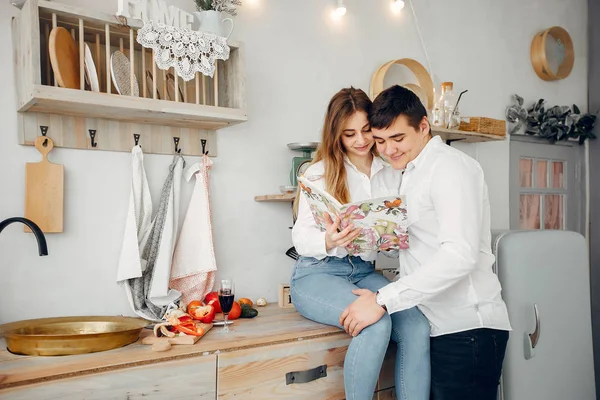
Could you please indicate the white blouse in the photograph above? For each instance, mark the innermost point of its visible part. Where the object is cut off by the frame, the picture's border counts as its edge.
(447, 269)
(308, 238)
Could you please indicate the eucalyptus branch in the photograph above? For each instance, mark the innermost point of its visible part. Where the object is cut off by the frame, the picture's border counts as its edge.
(555, 123)
(226, 6)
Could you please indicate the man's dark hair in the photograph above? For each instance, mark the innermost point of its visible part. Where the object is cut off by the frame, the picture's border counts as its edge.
(393, 102)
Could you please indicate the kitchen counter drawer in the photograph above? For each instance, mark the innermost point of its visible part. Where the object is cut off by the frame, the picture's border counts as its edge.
(182, 379)
(261, 373)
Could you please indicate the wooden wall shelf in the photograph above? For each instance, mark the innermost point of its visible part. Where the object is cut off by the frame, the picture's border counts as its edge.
(451, 135)
(448, 135)
(192, 110)
(281, 198)
(72, 102)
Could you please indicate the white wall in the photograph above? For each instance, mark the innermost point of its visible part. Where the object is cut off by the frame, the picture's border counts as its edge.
(295, 60)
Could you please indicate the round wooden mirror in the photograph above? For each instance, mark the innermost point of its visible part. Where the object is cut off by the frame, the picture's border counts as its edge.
(552, 54)
(424, 89)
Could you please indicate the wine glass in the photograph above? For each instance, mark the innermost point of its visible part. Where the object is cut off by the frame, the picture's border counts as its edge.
(226, 296)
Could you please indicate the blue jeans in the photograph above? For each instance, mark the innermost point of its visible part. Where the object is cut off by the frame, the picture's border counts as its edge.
(322, 289)
(467, 365)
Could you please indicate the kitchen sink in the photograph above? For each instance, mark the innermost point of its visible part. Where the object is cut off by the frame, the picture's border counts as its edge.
(71, 335)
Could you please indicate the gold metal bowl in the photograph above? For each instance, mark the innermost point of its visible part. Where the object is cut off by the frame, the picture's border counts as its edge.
(71, 335)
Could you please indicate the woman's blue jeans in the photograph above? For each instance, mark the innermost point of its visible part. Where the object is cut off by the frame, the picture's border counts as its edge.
(322, 289)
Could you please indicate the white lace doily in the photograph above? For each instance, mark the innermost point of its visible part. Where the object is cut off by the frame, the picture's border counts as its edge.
(185, 50)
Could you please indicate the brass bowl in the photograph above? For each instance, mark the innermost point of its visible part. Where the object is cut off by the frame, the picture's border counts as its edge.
(71, 335)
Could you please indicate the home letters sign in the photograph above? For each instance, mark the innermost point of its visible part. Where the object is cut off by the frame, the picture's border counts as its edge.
(157, 11)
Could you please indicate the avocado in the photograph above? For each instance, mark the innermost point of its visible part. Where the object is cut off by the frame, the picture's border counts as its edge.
(248, 312)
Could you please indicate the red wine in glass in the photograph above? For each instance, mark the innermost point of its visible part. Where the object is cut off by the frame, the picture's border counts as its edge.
(226, 298)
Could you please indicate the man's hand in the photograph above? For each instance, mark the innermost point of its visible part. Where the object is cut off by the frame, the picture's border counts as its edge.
(333, 238)
(362, 313)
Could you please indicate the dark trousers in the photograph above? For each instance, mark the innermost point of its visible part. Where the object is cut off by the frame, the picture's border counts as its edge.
(467, 365)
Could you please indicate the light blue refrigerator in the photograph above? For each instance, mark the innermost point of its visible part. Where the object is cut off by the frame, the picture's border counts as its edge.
(546, 287)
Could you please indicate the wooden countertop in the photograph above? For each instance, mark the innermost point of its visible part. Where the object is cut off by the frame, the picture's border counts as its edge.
(272, 325)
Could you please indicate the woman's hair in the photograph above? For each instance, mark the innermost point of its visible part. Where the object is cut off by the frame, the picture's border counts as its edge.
(331, 151)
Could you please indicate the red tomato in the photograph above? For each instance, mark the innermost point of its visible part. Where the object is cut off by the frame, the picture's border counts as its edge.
(204, 314)
(235, 312)
(213, 299)
(193, 305)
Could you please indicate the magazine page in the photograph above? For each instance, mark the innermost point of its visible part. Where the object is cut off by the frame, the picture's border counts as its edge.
(384, 223)
(319, 201)
(383, 220)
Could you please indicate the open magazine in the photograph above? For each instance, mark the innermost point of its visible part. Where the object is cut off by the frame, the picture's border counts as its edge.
(383, 220)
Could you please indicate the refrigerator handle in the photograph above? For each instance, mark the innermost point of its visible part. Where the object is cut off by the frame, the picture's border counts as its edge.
(535, 336)
(531, 339)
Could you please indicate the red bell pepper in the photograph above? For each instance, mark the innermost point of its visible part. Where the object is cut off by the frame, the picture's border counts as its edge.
(204, 314)
(188, 330)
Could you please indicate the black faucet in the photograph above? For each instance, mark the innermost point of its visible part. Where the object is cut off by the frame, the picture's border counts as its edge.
(39, 235)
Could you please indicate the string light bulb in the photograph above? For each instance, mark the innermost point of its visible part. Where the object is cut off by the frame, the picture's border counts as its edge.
(397, 6)
(340, 10)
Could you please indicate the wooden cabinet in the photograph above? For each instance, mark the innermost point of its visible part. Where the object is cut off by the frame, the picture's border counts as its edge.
(185, 379)
(267, 358)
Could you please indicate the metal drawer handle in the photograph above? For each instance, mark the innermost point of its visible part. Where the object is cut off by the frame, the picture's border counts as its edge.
(306, 376)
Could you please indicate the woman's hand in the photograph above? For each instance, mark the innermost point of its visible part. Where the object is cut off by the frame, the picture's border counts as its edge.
(333, 238)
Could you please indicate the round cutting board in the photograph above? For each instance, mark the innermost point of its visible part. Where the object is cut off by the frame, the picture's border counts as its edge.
(64, 57)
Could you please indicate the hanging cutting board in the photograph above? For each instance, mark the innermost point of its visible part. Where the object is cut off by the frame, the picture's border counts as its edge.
(64, 57)
(44, 190)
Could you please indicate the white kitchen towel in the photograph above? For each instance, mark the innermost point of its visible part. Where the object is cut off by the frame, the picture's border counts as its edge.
(137, 225)
(150, 292)
(194, 264)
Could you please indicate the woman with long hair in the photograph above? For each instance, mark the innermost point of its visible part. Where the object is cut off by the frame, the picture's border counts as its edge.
(327, 279)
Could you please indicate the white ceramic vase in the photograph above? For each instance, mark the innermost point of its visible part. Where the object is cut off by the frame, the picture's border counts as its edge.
(211, 22)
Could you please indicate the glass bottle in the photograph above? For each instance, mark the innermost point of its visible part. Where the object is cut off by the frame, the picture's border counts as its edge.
(448, 100)
(437, 114)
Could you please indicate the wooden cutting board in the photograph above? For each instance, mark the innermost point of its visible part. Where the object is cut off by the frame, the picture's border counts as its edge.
(163, 343)
(44, 190)
(64, 57)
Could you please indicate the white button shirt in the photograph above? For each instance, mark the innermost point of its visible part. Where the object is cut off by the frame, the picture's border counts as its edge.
(447, 269)
(308, 238)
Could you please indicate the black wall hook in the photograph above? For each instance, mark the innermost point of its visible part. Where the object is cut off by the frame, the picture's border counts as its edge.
(44, 130)
(203, 141)
(136, 138)
(176, 141)
(93, 137)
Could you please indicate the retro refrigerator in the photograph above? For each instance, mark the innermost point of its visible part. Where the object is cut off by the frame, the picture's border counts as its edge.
(546, 287)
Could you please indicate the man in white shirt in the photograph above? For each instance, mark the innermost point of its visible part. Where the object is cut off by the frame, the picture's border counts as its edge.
(447, 270)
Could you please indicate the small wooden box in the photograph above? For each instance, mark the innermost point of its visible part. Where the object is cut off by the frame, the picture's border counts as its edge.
(285, 299)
